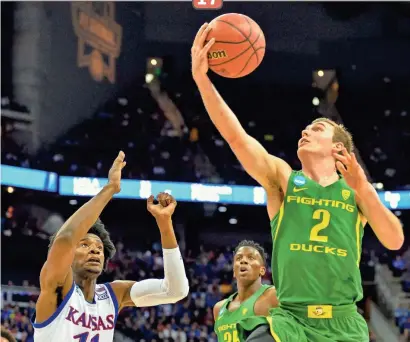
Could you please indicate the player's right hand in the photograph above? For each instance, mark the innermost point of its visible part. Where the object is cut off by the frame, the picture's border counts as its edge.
(199, 52)
(165, 207)
(114, 175)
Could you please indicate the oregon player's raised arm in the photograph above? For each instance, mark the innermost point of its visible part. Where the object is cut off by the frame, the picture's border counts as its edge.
(252, 155)
(57, 269)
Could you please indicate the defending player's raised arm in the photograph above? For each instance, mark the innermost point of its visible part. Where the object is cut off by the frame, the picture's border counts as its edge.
(258, 163)
(57, 268)
(174, 286)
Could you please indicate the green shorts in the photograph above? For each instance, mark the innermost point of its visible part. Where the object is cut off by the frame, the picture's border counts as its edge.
(314, 323)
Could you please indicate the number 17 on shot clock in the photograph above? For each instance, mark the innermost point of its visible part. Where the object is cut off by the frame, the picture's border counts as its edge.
(207, 4)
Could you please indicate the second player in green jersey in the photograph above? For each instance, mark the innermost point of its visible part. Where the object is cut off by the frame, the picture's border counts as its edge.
(238, 317)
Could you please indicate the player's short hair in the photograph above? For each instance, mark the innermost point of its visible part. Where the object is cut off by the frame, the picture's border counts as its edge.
(7, 335)
(341, 134)
(98, 228)
(255, 245)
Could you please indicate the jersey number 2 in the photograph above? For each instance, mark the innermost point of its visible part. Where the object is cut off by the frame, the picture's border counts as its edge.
(324, 216)
(84, 337)
(231, 336)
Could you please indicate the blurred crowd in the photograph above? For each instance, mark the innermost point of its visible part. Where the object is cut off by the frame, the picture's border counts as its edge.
(167, 135)
(155, 148)
(394, 289)
(210, 277)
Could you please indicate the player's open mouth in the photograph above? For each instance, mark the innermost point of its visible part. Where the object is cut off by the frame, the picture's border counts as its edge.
(93, 261)
(243, 269)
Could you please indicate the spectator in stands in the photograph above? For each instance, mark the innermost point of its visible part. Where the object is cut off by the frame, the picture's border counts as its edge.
(6, 335)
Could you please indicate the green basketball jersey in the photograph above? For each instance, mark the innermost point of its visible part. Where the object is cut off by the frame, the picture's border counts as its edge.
(226, 323)
(317, 237)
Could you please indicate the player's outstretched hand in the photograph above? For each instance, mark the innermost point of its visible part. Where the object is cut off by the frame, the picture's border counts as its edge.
(351, 170)
(114, 175)
(165, 207)
(199, 52)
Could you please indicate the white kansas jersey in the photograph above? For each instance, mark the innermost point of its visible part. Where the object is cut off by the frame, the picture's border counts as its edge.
(77, 320)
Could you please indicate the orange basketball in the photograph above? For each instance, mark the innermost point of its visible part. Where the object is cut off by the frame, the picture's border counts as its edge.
(239, 45)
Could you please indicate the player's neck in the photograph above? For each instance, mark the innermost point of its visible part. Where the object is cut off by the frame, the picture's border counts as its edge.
(244, 292)
(87, 286)
(321, 170)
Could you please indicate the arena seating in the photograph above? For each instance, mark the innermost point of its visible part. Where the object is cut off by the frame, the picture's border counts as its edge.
(137, 125)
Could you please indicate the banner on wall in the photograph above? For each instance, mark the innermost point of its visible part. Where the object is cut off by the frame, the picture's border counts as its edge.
(99, 38)
(142, 189)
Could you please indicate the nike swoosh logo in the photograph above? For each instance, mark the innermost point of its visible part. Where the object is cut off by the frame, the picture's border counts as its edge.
(295, 189)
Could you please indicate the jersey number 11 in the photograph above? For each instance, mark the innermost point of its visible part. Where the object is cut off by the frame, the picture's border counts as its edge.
(84, 337)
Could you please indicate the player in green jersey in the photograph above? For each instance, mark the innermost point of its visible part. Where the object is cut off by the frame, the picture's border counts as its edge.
(317, 218)
(242, 316)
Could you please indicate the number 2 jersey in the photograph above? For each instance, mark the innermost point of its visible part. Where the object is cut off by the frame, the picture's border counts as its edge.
(317, 237)
(78, 320)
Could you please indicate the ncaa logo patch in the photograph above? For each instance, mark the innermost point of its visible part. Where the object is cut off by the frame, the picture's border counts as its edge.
(101, 293)
(299, 180)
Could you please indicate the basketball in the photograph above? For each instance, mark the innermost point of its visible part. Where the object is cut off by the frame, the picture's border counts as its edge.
(239, 45)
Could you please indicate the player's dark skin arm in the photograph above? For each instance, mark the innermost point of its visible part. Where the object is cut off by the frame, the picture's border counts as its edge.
(163, 218)
(217, 308)
(56, 271)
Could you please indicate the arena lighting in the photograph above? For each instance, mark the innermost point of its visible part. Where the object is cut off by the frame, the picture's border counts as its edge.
(10, 189)
(315, 101)
(154, 66)
(320, 73)
(73, 202)
(379, 186)
(149, 78)
(222, 209)
(233, 221)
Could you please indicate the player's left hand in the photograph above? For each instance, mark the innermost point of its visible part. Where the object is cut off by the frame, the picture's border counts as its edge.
(165, 207)
(114, 175)
(351, 170)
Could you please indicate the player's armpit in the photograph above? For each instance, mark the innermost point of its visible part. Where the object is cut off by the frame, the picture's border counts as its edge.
(122, 290)
(52, 290)
(217, 308)
(266, 301)
(273, 299)
(258, 163)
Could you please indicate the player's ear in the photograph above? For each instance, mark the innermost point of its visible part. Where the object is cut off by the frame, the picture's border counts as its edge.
(338, 147)
(262, 271)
